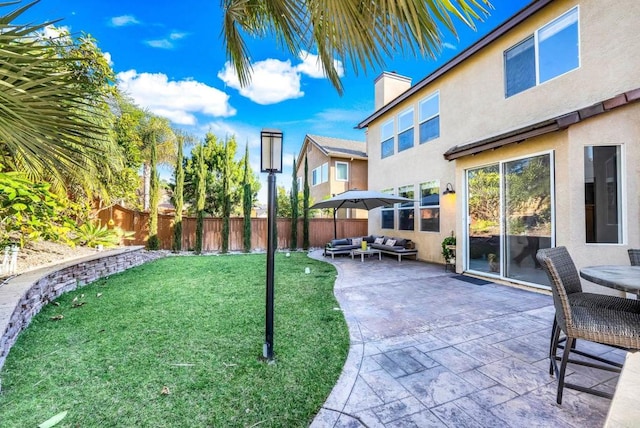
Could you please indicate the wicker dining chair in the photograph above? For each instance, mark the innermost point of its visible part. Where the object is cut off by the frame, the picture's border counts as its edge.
(634, 256)
(608, 320)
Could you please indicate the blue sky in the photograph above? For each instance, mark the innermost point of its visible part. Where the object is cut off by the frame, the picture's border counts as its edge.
(170, 59)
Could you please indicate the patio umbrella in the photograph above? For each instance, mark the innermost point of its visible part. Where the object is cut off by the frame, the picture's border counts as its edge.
(359, 199)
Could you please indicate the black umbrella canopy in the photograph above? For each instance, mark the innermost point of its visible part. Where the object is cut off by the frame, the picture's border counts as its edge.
(359, 199)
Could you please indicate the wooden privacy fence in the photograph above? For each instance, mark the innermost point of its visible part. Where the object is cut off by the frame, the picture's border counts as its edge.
(320, 230)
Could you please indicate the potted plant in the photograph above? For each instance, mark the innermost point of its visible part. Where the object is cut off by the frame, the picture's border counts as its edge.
(449, 249)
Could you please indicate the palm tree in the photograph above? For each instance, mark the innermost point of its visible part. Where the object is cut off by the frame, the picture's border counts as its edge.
(53, 120)
(156, 130)
(358, 32)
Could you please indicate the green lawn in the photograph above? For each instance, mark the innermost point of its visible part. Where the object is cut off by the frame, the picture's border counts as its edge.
(194, 325)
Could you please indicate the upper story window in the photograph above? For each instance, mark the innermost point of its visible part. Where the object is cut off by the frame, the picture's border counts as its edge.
(405, 130)
(342, 171)
(430, 206)
(320, 174)
(602, 194)
(387, 213)
(551, 51)
(386, 138)
(406, 220)
(300, 183)
(430, 118)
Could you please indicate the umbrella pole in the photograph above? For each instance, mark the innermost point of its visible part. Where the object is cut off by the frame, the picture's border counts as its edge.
(335, 226)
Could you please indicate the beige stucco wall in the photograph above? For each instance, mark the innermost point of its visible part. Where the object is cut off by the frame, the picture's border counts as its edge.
(473, 107)
(618, 127)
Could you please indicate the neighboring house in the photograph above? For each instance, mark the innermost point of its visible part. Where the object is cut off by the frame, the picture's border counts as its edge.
(335, 166)
(537, 129)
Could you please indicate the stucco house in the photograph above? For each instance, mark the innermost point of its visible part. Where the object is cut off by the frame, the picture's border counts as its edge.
(335, 166)
(536, 129)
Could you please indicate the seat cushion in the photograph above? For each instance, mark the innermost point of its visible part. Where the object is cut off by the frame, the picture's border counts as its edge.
(607, 326)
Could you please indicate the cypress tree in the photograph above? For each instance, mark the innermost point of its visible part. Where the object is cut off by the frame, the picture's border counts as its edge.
(305, 214)
(226, 198)
(178, 199)
(154, 196)
(201, 176)
(294, 209)
(247, 199)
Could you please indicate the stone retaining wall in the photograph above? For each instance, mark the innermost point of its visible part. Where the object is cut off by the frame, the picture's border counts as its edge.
(23, 296)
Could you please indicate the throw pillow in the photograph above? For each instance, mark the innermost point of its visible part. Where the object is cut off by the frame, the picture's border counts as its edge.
(356, 241)
(390, 242)
(378, 241)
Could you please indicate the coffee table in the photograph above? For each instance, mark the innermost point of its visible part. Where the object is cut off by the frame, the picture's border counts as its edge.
(369, 252)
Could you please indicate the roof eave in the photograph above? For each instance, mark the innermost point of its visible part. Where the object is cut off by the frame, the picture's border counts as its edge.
(498, 32)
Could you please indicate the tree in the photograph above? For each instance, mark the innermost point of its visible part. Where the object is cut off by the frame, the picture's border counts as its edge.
(226, 202)
(177, 195)
(214, 155)
(247, 202)
(294, 209)
(156, 129)
(343, 31)
(55, 122)
(201, 188)
(154, 242)
(283, 202)
(305, 213)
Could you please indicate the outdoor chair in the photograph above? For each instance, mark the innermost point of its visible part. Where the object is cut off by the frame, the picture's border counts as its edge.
(603, 319)
(634, 257)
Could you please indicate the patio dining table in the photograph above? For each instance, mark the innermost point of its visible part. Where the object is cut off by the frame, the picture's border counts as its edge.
(621, 277)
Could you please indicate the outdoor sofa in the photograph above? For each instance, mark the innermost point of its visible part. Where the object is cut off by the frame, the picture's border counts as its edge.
(399, 247)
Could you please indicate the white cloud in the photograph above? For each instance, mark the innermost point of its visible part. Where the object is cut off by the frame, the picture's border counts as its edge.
(177, 35)
(167, 42)
(448, 45)
(176, 100)
(121, 21)
(160, 44)
(53, 32)
(312, 67)
(272, 81)
(107, 57)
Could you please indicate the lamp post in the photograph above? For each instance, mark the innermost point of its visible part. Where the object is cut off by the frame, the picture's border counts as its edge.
(271, 162)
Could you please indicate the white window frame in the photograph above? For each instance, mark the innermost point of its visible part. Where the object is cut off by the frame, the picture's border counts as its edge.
(388, 208)
(536, 48)
(346, 164)
(424, 119)
(402, 127)
(412, 207)
(621, 192)
(431, 184)
(387, 133)
(320, 174)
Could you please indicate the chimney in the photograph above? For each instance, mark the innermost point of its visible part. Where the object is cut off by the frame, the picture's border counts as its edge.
(388, 86)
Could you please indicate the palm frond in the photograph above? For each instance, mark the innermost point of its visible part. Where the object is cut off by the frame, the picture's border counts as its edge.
(359, 33)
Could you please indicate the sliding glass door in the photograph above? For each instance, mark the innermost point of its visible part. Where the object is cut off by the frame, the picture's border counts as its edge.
(510, 212)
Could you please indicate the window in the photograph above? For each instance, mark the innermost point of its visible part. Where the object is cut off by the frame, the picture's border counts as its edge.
(320, 174)
(405, 130)
(300, 183)
(386, 137)
(342, 171)
(388, 219)
(430, 206)
(602, 196)
(552, 51)
(405, 210)
(430, 118)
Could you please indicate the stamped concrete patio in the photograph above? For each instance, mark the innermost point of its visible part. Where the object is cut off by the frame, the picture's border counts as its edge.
(431, 350)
